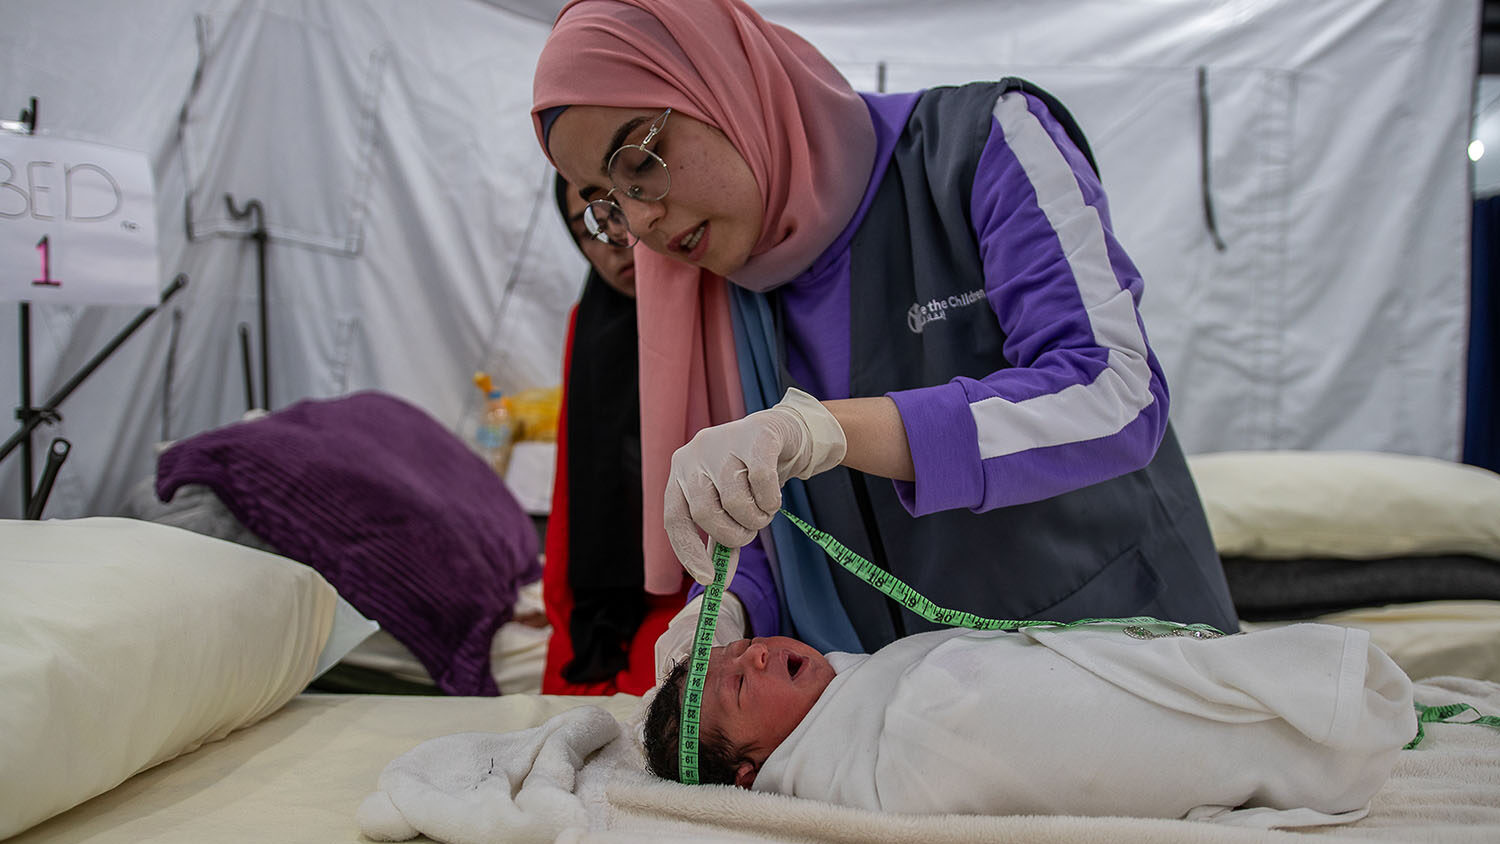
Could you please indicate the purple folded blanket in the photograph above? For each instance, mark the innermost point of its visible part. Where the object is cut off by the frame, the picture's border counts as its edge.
(410, 527)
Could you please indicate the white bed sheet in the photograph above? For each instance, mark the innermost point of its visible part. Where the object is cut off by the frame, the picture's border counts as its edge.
(297, 776)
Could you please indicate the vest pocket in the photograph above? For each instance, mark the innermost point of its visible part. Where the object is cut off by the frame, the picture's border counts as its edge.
(1127, 585)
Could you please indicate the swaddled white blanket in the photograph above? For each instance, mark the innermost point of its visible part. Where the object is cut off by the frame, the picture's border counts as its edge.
(1300, 725)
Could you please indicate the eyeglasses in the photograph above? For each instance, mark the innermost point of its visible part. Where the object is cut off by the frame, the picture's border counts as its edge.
(638, 174)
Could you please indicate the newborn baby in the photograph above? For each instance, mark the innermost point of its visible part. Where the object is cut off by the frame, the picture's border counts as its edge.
(1291, 726)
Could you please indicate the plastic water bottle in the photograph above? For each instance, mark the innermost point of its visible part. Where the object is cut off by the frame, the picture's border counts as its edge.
(496, 432)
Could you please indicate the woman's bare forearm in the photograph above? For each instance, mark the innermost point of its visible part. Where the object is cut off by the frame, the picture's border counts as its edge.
(875, 435)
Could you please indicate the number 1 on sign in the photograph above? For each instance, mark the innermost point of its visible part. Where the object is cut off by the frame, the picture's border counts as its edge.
(44, 246)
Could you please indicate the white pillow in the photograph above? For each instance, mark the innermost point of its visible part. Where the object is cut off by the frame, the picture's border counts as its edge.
(125, 643)
(1347, 504)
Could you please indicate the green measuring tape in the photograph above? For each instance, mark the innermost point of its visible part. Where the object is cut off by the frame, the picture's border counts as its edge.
(1445, 715)
(1140, 627)
(692, 691)
(898, 591)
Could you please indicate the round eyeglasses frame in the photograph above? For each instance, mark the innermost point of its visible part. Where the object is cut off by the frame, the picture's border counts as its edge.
(603, 218)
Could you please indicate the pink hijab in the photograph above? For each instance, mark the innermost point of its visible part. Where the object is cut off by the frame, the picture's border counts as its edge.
(808, 140)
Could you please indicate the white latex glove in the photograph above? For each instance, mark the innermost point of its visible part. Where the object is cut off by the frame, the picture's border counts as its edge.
(674, 645)
(727, 480)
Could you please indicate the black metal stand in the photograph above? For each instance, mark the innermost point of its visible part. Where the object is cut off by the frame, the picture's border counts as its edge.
(254, 209)
(33, 501)
(56, 454)
(245, 369)
(25, 126)
(31, 416)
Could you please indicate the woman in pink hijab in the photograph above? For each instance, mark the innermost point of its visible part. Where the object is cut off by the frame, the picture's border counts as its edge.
(920, 302)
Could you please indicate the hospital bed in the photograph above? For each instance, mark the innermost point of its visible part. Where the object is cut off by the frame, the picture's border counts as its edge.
(145, 697)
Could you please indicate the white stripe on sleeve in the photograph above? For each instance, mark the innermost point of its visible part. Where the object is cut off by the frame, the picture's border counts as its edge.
(1079, 412)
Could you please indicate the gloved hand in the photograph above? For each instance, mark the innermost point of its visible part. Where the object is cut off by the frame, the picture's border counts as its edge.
(674, 645)
(727, 480)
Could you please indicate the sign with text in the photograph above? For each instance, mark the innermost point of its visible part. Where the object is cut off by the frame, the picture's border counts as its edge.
(77, 223)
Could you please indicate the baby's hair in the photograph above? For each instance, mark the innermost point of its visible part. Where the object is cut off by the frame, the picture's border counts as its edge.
(717, 758)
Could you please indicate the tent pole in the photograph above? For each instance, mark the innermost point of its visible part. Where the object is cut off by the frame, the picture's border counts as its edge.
(25, 411)
(257, 210)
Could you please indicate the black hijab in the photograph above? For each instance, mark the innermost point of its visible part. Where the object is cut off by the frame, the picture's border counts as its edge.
(605, 565)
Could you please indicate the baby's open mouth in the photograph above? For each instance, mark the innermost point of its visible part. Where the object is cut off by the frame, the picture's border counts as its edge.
(793, 665)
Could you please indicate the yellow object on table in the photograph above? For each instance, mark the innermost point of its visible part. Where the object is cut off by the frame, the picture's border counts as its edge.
(535, 412)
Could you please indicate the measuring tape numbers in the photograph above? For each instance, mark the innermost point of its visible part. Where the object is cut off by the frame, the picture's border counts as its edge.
(692, 690)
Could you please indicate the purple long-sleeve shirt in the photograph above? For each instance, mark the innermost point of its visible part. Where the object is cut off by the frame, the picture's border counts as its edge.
(1084, 401)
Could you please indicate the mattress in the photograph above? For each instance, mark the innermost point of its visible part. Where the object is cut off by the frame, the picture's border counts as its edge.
(296, 776)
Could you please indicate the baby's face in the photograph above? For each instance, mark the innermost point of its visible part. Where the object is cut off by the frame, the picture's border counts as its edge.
(758, 690)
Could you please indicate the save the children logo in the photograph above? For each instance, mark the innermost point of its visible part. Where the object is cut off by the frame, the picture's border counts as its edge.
(921, 313)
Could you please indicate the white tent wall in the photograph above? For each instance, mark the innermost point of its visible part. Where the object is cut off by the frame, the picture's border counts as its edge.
(413, 239)
(413, 236)
(1336, 316)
